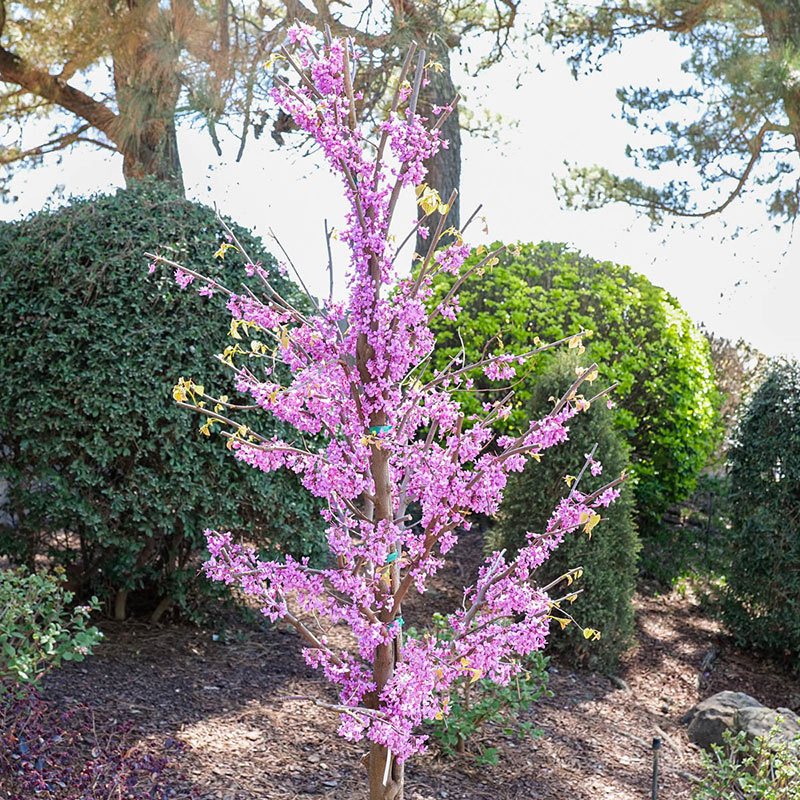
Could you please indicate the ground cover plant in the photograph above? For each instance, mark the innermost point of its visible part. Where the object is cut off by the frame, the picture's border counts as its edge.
(393, 442)
(69, 754)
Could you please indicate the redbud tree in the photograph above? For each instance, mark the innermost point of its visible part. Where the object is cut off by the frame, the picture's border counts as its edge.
(392, 436)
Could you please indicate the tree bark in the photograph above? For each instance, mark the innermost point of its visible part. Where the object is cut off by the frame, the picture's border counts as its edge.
(147, 90)
(147, 87)
(444, 169)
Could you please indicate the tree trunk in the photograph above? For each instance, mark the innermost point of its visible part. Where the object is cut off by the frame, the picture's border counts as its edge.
(120, 604)
(147, 87)
(392, 787)
(781, 20)
(444, 169)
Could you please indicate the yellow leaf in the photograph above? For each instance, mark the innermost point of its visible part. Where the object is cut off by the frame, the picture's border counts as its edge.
(223, 248)
(234, 331)
(575, 341)
(476, 674)
(588, 633)
(430, 202)
(584, 517)
(179, 391)
(593, 520)
(465, 662)
(443, 208)
(569, 479)
(536, 457)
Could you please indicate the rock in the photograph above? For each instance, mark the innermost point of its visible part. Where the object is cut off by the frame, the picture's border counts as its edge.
(758, 722)
(619, 683)
(709, 719)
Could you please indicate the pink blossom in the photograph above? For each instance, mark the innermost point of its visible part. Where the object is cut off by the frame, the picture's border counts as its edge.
(381, 430)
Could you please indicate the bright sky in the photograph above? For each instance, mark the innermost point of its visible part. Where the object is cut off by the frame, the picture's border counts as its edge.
(745, 287)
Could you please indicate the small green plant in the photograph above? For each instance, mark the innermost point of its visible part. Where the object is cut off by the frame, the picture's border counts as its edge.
(760, 769)
(38, 629)
(476, 702)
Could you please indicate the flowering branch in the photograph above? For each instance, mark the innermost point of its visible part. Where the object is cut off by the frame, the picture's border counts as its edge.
(388, 439)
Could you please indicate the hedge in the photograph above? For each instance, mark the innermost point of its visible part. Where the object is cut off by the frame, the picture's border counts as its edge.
(641, 338)
(105, 474)
(609, 556)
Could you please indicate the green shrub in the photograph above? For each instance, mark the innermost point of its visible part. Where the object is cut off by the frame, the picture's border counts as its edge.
(761, 600)
(642, 339)
(608, 558)
(477, 703)
(104, 472)
(38, 630)
(760, 769)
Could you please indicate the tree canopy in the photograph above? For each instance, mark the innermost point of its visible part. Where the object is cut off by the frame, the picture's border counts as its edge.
(120, 75)
(737, 126)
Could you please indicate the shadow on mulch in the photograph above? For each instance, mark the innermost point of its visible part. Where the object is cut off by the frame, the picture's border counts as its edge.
(220, 697)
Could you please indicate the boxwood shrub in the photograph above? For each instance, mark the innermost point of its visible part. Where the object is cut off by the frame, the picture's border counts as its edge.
(761, 599)
(104, 473)
(609, 557)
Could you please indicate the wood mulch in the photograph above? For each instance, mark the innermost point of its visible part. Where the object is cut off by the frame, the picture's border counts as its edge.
(216, 691)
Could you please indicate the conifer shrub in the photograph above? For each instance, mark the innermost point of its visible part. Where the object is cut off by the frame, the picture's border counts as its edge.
(608, 556)
(642, 339)
(761, 599)
(104, 473)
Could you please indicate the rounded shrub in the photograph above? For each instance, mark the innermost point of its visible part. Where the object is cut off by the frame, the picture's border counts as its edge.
(104, 472)
(761, 598)
(642, 339)
(608, 556)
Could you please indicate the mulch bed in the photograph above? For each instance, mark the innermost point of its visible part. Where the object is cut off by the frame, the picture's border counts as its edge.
(217, 693)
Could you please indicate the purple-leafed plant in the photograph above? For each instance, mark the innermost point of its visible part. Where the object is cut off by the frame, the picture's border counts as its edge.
(56, 754)
(394, 437)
